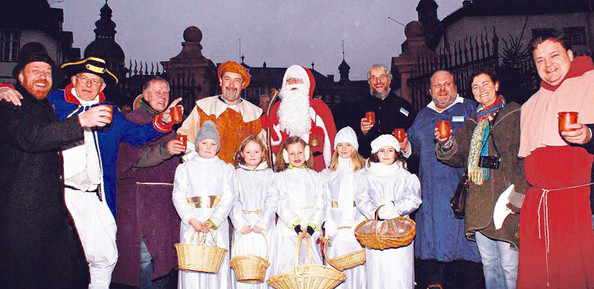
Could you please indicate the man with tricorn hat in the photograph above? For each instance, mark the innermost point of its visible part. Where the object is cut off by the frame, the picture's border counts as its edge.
(234, 117)
(39, 246)
(90, 165)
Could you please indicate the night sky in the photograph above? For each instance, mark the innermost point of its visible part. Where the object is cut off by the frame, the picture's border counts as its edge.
(279, 32)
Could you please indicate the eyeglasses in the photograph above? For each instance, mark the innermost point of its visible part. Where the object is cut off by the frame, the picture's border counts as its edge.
(93, 81)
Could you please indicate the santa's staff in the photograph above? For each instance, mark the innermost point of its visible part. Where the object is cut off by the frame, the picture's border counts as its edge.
(273, 94)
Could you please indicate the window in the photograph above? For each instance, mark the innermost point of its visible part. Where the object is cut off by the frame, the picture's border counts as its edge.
(540, 31)
(9, 40)
(575, 35)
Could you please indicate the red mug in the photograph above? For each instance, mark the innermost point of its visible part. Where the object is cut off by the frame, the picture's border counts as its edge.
(565, 118)
(399, 134)
(183, 138)
(443, 126)
(176, 114)
(370, 116)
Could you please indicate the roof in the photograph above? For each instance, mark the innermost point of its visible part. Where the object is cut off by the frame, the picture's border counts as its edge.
(516, 7)
(32, 15)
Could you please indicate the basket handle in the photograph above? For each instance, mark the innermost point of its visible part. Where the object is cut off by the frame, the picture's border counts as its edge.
(298, 250)
(202, 236)
(376, 220)
(239, 237)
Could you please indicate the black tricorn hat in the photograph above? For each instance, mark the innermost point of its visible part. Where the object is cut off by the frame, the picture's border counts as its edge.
(32, 52)
(94, 65)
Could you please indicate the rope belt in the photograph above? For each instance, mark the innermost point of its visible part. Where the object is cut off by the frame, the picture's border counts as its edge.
(543, 205)
(203, 202)
(257, 211)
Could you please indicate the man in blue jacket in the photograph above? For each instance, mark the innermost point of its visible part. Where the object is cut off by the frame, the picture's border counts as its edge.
(440, 238)
(90, 164)
(90, 167)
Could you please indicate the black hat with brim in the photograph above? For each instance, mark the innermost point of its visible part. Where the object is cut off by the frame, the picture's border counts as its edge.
(94, 65)
(33, 52)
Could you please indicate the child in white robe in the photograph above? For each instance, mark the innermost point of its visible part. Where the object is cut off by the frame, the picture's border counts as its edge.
(392, 192)
(301, 208)
(254, 214)
(203, 195)
(345, 182)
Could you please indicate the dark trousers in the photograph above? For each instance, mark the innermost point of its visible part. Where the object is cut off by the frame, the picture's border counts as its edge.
(450, 275)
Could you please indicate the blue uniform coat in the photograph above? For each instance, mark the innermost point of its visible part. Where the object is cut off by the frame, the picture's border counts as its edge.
(122, 130)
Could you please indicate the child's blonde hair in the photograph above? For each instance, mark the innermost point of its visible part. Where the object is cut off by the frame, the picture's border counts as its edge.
(280, 161)
(239, 160)
(357, 160)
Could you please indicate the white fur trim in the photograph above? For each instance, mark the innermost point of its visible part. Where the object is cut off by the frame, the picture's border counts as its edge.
(297, 71)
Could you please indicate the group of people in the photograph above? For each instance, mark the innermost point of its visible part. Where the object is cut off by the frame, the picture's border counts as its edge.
(65, 153)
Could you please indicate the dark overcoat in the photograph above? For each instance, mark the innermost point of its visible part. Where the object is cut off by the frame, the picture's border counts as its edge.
(39, 245)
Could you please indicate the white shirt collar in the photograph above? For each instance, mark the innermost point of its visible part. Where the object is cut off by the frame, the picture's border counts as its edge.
(458, 99)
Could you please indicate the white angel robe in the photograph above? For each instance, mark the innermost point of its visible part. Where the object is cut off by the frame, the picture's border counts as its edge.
(257, 203)
(342, 217)
(390, 268)
(302, 200)
(207, 179)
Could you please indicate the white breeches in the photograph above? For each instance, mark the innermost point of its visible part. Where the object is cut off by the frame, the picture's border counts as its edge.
(97, 231)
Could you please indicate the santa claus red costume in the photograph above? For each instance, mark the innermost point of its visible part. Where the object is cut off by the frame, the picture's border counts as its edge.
(299, 114)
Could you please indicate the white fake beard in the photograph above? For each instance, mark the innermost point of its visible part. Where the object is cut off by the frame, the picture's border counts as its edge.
(293, 111)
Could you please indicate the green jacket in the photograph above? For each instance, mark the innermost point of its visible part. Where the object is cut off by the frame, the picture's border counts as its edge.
(480, 201)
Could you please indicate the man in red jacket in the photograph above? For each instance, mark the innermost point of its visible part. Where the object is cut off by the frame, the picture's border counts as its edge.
(299, 114)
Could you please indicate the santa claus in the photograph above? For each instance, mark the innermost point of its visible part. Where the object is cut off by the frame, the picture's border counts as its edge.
(299, 114)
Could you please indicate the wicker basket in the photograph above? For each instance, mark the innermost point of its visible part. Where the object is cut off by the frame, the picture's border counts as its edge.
(250, 268)
(200, 257)
(386, 234)
(346, 261)
(308, 276)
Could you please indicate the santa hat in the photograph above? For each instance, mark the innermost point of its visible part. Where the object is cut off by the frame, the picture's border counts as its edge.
(384, 140)
(346, 135)
(300, 72)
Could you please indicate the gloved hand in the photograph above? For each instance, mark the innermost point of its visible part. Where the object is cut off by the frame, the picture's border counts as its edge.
(310, 230)
(388, 212)
(297, 229)
(330, 229)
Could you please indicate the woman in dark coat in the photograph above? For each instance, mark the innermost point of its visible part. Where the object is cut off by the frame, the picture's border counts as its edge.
(493, 133)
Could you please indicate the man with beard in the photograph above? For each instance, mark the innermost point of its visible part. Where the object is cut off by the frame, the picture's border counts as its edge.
(90, 164)
(234, 117)
(298, 114)
(39, 246)
(440, 238)
(391, 111)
